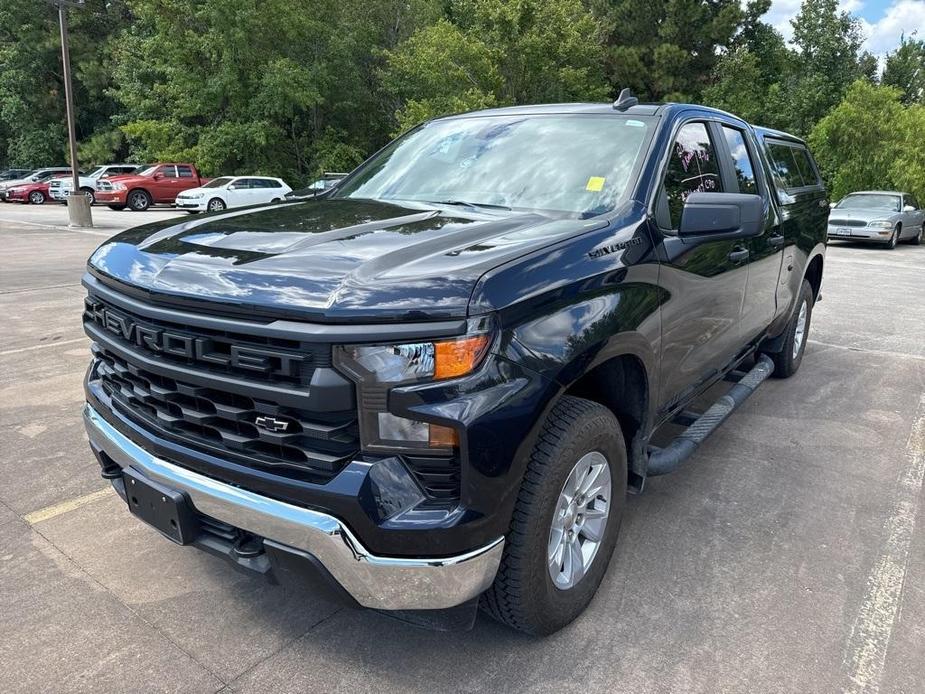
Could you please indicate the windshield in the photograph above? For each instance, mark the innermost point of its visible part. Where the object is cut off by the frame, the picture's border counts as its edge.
(219, 182)
(876, 201)
(578, 164)
(147, 172)
(97, 172)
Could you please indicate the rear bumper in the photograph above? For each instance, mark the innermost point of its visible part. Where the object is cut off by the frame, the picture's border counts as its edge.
(386, 583)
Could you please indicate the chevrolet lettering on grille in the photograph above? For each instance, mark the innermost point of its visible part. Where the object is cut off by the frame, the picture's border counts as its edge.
(192, 348)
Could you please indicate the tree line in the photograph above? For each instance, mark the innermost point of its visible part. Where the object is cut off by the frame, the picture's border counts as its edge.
(293, 89)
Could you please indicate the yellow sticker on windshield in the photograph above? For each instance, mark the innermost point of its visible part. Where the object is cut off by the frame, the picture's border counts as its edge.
(595, 184)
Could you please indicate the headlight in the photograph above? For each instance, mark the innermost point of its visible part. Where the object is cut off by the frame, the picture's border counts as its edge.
(194, 196)
(118, 186)
(377, 368)
(880, 224)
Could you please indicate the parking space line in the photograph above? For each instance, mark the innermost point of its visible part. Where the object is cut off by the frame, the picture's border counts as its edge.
(42, 346)
(49, 512)
(870, 636)
(59, 227)
(864, 350)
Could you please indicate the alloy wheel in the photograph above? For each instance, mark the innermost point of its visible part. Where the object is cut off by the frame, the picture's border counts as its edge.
(579, 520)
(799, 333)
(36, 197)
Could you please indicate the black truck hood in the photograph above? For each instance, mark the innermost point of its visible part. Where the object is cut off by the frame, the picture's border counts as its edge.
(330, 260)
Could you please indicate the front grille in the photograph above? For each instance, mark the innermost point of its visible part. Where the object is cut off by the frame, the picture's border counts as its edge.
(251, 357)
(313, 446)
(847, 222)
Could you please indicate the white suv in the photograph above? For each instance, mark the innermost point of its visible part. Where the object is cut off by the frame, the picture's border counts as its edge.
(60, 188)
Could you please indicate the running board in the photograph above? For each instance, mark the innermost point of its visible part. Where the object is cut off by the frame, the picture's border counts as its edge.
(667, 459)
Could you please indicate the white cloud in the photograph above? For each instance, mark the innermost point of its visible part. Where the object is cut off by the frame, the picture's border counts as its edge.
(782, 11)
(902, 17)
(880, 37)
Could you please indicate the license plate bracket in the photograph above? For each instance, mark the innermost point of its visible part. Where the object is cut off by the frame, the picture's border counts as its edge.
(843, 231)
(167, 510)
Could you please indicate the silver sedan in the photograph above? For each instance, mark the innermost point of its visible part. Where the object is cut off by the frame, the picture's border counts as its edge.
(878, 216)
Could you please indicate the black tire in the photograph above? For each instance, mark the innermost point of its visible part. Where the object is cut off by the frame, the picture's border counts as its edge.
(216, 205)
(894, 239)
(523, 595)
(36, 197)
(786, 363)
(90, 193)
(919, 238)
(116, 207)
(138, 200)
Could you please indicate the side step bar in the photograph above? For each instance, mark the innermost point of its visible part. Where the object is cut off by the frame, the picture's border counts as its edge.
(667, 459)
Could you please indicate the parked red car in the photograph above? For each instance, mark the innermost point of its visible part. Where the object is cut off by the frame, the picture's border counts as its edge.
(35, 193)
(159, 183)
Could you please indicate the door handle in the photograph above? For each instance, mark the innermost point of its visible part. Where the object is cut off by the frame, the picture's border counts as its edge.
(776, 241)
(738, 255)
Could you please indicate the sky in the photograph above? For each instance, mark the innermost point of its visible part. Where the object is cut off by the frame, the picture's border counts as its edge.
(882, 21)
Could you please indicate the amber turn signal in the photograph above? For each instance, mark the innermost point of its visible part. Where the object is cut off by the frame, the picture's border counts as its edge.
(459, 357)
(442, 437)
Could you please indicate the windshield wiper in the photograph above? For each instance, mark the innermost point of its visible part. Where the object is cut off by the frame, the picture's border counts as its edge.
(466, 203)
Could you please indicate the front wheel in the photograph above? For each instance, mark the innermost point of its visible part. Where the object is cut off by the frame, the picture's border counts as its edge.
(894, 239)
(216, 205)
(565, 522)
(37, 197)
(787, 361)
(138, 200)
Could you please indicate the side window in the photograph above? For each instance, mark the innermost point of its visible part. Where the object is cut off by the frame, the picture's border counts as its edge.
(807, 172)
(692, 168)
(911, 201)
(741, 160)
(185, 171)
(168, 171)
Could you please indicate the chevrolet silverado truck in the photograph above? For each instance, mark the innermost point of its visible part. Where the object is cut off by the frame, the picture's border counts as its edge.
(159, 183)
(432, 387)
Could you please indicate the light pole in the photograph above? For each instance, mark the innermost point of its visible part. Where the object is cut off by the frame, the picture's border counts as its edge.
(78, 204)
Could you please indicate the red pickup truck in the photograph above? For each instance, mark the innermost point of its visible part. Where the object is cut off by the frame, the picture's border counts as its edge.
(159, 183)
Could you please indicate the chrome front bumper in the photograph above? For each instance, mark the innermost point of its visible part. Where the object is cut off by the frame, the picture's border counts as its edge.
(384, 583)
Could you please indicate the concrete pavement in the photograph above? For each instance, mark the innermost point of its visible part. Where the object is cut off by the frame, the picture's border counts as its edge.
(787, 555)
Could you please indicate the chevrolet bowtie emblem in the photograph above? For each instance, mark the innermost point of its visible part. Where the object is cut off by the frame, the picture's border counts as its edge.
(271, 423)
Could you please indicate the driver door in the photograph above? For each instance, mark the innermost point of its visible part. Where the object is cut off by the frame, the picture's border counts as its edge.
(705, 277)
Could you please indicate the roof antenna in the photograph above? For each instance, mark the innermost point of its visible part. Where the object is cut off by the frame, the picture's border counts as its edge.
(625, 100)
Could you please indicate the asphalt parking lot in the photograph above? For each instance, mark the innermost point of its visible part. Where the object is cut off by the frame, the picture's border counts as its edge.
(788, 555)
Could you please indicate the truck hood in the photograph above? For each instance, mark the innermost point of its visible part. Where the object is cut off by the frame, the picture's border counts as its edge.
(331, 260)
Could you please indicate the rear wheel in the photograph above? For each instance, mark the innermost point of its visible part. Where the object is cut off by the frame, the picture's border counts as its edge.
(138, 200)
(565, 522)
(89, 192)
(215, 205)
(919, 238)
(37, 197)
(787, 361)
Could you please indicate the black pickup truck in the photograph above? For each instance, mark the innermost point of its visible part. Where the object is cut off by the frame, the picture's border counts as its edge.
(432, 386)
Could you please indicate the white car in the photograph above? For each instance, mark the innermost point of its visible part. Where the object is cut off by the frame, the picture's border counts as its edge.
(60, 188)
(232, 191)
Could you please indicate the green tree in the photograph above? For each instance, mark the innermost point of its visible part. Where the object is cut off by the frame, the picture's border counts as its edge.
(494, 52)
(32, 108)
(665, 49)
(905, 69)
(859, 143)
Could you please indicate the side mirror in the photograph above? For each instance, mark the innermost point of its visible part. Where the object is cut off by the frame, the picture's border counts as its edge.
(233, 186)
(736, 215)
(158, 176)
(908, 208)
